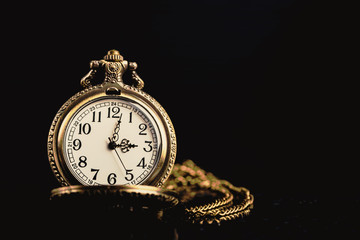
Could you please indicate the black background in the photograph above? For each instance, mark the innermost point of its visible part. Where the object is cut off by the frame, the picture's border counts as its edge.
(256, 90)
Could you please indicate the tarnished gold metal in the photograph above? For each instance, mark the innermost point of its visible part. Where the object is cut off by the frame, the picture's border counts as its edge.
(112, 87)
(222, 202)
(115, 66)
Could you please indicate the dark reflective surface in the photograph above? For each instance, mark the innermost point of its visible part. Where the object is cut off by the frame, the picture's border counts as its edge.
(281, 217)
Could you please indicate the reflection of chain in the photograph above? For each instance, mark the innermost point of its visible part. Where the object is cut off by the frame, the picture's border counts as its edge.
(205, 197)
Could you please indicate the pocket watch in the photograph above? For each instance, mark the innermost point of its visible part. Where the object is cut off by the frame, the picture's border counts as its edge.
(111, 133)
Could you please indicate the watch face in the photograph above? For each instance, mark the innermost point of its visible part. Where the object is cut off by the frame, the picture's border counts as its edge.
(111, 141)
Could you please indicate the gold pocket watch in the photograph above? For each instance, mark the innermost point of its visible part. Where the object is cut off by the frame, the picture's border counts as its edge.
(111, 133)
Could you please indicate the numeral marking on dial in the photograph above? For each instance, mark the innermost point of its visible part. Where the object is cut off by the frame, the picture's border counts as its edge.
(76, 144)
(82, 161)
(111, 178)
(142, 163)
(98, 117)
(142, 127)
(149, 149)
(115, 111)
(129, 176)
(86, 128)
(96, 173)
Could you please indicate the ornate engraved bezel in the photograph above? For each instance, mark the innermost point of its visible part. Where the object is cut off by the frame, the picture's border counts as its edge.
(58, 126)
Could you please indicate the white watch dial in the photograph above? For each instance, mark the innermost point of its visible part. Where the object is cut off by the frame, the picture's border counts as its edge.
(111, 142)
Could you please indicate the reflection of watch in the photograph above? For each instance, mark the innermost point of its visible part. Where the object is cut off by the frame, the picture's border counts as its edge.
(111, 133)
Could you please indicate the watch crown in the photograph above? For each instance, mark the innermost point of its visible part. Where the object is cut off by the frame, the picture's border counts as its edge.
(113, 55)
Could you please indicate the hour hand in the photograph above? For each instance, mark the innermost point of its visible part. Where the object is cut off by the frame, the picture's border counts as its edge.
(125, 145)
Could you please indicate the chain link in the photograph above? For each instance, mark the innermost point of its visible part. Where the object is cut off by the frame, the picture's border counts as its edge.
(192, 183)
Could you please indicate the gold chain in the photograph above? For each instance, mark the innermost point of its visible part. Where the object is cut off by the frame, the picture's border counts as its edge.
(206, 198)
